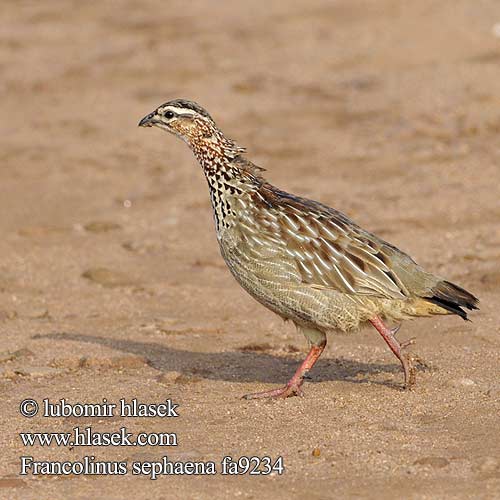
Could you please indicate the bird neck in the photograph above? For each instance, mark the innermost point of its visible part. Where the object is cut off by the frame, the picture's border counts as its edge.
(229, 184)
(229, 175)
(226, 183)
(214, 151)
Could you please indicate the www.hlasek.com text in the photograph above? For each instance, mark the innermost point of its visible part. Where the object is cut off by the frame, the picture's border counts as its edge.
(88, 437)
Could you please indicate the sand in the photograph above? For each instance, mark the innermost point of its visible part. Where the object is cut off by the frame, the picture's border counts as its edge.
(111, 282)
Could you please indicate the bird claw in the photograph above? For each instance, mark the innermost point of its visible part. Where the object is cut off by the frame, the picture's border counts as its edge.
(395, 329)
(281, 393)
(408, 342)
(410, 372)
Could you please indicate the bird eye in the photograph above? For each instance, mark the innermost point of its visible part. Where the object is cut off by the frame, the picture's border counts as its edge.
(169, 115)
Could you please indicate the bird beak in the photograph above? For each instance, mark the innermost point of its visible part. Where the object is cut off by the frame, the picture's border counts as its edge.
(147, 121)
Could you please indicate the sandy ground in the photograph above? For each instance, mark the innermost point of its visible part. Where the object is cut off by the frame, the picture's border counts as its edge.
(111, 282)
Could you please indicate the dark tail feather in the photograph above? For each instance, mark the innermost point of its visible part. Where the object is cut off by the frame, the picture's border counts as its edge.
(452, 298)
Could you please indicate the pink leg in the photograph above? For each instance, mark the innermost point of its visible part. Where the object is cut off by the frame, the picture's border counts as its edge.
(397, 348)
(293, 387)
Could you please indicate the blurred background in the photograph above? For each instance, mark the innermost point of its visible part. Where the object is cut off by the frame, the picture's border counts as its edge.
(111, 283)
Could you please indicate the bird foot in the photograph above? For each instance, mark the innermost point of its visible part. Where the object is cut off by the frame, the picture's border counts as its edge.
(406, 359)
(293, 387)
(410, 371)
(282, 393)
(408, 363)
(408, 342)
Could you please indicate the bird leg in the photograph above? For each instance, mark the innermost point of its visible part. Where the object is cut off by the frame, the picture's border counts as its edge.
(293, 387)
(389, 336)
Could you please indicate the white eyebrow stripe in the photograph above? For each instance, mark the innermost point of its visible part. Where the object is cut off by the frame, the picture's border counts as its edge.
(178, 111)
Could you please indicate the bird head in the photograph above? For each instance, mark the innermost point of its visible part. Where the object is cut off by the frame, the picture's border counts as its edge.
(183, 118)
(189, 121)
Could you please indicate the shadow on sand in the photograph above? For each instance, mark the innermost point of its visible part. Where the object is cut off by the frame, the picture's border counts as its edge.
(239, 366)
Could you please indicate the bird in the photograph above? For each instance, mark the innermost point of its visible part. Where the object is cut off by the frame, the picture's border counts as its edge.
(306, 262)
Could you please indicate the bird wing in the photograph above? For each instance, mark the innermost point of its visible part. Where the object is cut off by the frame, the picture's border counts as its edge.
(328, 249)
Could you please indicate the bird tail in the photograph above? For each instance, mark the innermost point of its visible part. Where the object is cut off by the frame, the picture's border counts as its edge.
(452, 298)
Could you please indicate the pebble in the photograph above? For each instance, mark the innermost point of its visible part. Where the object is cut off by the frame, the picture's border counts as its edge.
(70, 362)
(491, 279)
(175, 377)
(7, 315)
(101, 226)
(7, 373)
(436, 462)
(107, 277)
(143, 247)
(494, 392)
(316, 452)
(40, 313)
(291, 348)
(10, 356)
(256, 347)
(37, 371)
(487, 465)
(38, 231)
(459, 383)
(126, 361)
(187, 378)
(171, 327)
(168, 377)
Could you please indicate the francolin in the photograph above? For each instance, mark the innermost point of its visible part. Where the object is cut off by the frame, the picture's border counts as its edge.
(305, 261)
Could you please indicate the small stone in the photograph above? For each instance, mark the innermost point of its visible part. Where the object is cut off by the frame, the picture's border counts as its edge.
(92, 362)
(316, 452)
(7, 373)
(37, 371)
(40, 231)
(491, 280)
(5, 356)
(101, 226)
(461, 383)
(8, 315)
(39, 313)
(143, 247)
(256, 347)
(126, 361)
(24, 352)
(168, 377)
(11, 356)
(493, 392)
(487, 465)
(467, 382)
(71, 362)
(107, 277)
(187, 378)
(129, 361)
(436, 462)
